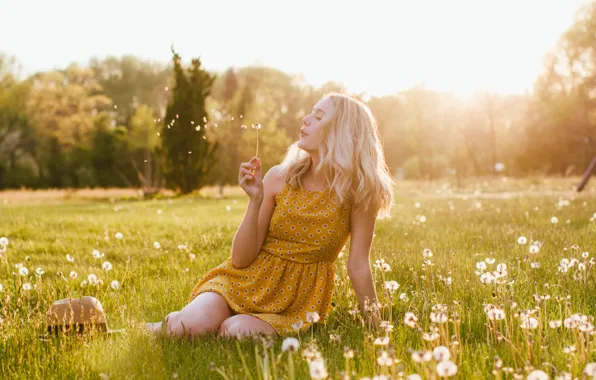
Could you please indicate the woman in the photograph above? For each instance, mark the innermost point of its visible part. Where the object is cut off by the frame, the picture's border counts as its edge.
(332, 184)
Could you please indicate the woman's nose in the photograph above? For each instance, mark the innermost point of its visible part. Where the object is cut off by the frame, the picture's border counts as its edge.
(304, 120)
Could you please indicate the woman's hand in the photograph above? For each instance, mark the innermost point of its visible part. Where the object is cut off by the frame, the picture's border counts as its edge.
(250, 178)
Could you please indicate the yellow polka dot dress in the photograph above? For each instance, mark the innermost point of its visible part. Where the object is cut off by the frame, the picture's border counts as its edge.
(294, 273)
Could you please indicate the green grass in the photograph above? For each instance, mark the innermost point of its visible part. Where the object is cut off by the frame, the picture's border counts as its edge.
(155, 282)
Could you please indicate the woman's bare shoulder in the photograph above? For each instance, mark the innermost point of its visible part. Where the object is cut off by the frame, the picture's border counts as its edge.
(274, 181)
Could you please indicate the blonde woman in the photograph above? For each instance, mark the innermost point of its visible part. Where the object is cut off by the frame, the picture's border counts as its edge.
(332, 184)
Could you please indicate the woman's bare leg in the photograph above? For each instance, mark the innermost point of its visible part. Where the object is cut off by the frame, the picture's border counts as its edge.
(203, 314)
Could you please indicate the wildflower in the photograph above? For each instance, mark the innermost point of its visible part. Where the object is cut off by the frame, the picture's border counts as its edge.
(4, 241)
(73, 274)
(590, 369)
(585, 255)
(554, 220)
(392, 286)
(192, 256)
(386, 325)
(23, 271)
(446, 368)
(427, 253)
(555, 324)
(441, 353)
(489, 260)
(317, 369)
(312, 317)
(422, 356)
(438, 317)
(348, 353)
(96, 254)
(383, 341)
(410, 319)
(107, 266)
(156, 245)
(534, 249)
(496, 314)
(228, 208)
(522, 240)
(118, 235)
(535, 265)
(385, 359)
(529, 323)
(26, 286)
(430, 336)
(92, 279)
(69, 258)
(115, 285)
(291, 344)
(297, 325)
(404, 297)
(537, 375)
(481, 265)
(39, 271)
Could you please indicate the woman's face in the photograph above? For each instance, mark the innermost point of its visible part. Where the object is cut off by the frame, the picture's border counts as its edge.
(310, 133)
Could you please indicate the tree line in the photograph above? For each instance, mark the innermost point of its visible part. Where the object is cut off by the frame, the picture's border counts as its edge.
(127, 122)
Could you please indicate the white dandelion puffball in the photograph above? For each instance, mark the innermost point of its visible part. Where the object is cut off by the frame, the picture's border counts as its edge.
(96, 254)
(441, 353)
(106, 266)
(115, 285)
(118, 235)
(291, 344)
(4, 241)
(23, 271)
(73, 275)
(228, 208)
(537, 375)
(554, 220)
(39, 271)
(446, 368)
(69, 258)
(26, 286)
(312, 317)
(317, 369)
(522, 240)
(156, 245)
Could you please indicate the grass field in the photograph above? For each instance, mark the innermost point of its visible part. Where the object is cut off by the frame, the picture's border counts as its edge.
(548, 278)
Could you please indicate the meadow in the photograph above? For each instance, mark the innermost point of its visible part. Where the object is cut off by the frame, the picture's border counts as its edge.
(492, 279)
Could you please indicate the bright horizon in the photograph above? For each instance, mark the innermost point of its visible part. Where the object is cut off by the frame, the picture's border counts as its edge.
(381, 48)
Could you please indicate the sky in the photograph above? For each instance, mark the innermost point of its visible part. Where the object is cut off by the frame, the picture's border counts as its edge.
(376, 47)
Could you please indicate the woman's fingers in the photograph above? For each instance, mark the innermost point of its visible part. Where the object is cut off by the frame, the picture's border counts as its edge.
(245, 171)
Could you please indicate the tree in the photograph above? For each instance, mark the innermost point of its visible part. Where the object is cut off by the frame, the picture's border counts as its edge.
(189, 155)
(143, 139)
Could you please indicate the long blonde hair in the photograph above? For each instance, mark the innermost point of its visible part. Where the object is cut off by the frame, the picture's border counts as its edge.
(351, 157)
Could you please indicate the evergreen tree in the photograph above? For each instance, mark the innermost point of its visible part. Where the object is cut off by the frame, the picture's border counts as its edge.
(189, 156)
